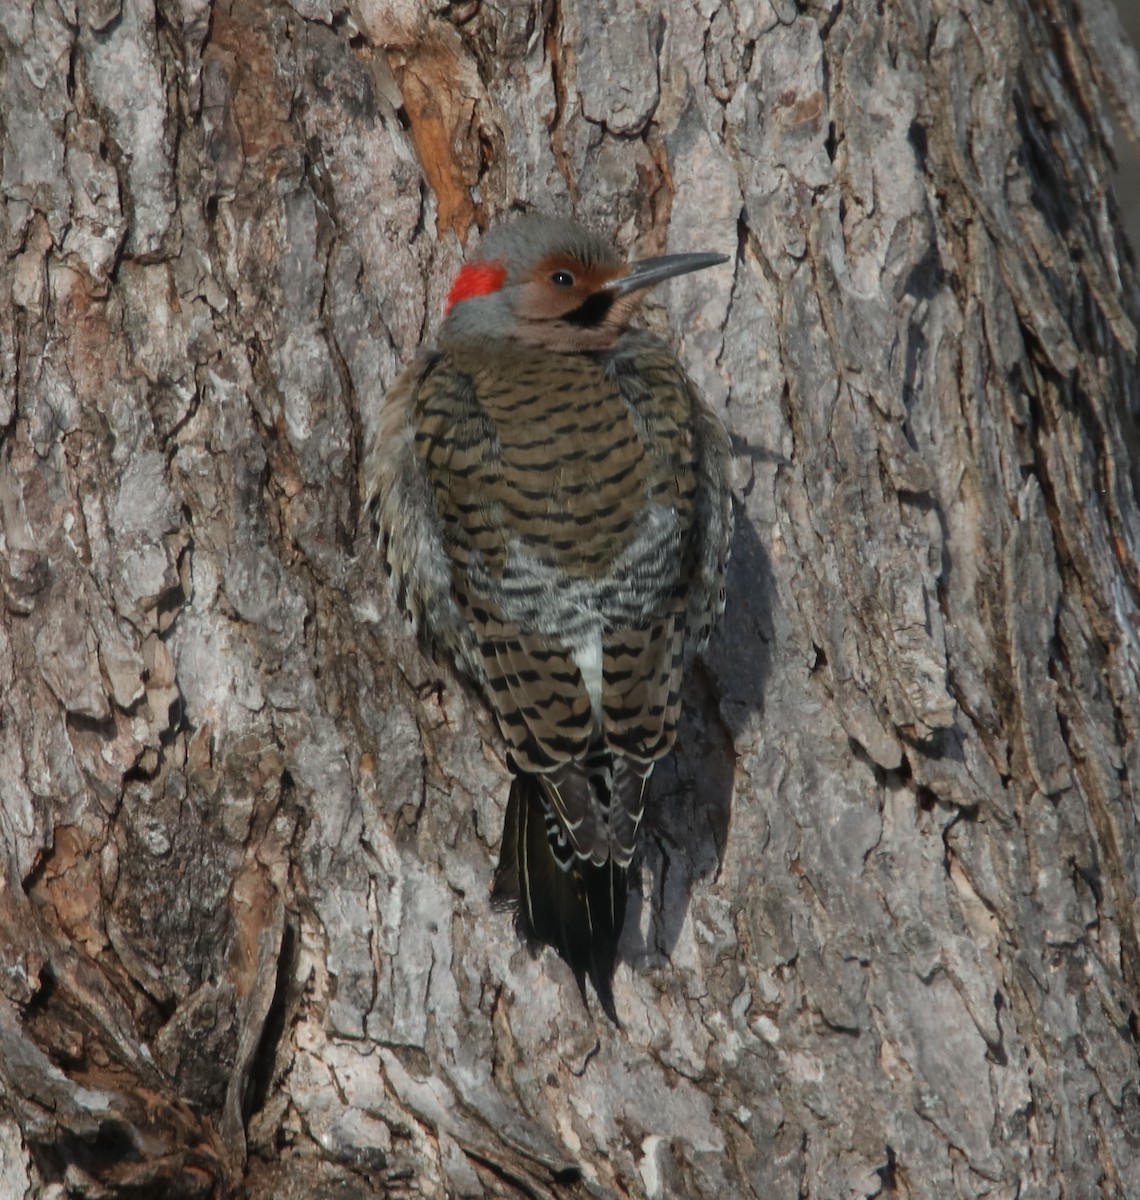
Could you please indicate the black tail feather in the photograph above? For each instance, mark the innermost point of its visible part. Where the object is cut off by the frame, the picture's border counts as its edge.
(578, 908)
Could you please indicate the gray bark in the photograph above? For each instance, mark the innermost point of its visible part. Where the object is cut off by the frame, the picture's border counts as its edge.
(885, 938)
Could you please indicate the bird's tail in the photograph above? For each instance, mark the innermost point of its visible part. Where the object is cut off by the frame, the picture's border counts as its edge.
(568, 902)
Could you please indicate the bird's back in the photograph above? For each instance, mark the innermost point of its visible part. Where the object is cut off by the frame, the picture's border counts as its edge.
(564, 484)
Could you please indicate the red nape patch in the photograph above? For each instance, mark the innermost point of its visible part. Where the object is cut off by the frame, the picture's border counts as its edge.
(476, 279)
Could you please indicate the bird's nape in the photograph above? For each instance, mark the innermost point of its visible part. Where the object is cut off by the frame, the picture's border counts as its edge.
(559, 899)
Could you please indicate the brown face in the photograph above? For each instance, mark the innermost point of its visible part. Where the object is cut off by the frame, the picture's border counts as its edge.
(565, 304)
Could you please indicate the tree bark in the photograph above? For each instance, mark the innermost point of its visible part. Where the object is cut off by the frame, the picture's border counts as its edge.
(885, 931)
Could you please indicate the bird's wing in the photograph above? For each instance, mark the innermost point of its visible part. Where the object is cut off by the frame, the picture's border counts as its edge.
(529, 678)
(402, 504)
(689, 471)
(693, 456)
(543, 709)
(710, 544)
(641, 691)
(535, 690)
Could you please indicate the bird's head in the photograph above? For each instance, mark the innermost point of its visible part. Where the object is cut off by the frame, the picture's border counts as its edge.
(549, 282)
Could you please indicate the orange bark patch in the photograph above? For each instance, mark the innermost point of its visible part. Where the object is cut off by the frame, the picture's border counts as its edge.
(441, 90)
(69, 885)
(253, 903)
(808, 109)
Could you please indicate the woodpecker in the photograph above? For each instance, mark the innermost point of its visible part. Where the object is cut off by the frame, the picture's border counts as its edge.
(553, 496)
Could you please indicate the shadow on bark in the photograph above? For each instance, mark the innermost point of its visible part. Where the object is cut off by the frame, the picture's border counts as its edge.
(689, 815)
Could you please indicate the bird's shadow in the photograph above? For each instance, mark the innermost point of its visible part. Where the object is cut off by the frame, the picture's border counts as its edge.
(690, 804)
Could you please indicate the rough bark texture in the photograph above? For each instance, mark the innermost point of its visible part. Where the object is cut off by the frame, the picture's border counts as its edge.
(886, 936)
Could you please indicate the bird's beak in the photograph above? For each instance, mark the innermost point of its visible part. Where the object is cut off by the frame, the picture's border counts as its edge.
(650, 271)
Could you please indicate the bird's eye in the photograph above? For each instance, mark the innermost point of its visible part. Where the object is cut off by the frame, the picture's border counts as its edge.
(562, 279)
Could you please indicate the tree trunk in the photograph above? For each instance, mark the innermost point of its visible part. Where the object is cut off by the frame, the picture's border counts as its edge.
(885, 931)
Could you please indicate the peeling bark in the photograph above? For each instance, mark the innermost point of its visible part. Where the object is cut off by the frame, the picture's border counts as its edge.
(885, 934)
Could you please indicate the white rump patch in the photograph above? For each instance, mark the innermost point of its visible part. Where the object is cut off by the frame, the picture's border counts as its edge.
(587, 657)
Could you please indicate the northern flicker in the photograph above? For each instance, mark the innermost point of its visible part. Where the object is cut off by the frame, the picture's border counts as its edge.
(553, 493)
